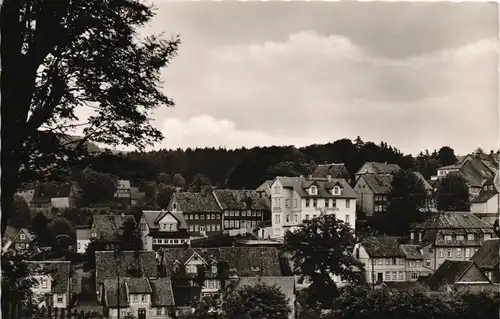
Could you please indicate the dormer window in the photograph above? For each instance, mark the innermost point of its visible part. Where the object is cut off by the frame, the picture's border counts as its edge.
(313, 190)
(174, 207)
(214, 268)
(336, 190)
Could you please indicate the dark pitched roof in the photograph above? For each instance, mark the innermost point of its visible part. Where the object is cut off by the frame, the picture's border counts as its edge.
(239, 199)
(138, 286)
(44, 192)
(487, 256)
(484, 196)
(299, 184)
(382, 246)
(203, 202)
(453, 220)
(264, 186)
(243, 259)
(111, 291)
(109, 227)
(153, 217)
(60, 272)
(107, 265)
(379, 184)
(448, 273)
(12, 232)
(381, 168)
(333, 169)
(424, 181)
(163, 294)
(411, 251)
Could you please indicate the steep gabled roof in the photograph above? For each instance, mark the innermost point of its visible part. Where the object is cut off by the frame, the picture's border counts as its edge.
(411, 251)
(109, 227)
(379, 184)
(264, 186)
(138, 286)
(60, 271)
(487, 256)
(163, 294)
(453, 220)
(128, 264)
(333, 169)
(47, 191)
(239, 199)
(380, 168)
(111, 291)
(202, 202)
(382, 246)
(299, 184)
(449, 273)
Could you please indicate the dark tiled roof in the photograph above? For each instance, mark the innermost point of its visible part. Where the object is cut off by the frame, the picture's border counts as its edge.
(424, 181)
(333, 169)
(162, 292)
(109, 227)
(453, 220)
(11, 233)
(448, 273)
(202, 202)
(487, 256)
(379, 184)
(382, 246)
(264, 186)
(299, 184)
(411, 251)
(111, 290)
(239, 199)
(44, 192)
(381, 168)
(484, 196)
(138, 286)
(107, 265)
(60, 272)
(243, 259)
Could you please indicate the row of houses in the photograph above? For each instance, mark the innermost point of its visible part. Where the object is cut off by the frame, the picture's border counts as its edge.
(190, 215)
(45, 196)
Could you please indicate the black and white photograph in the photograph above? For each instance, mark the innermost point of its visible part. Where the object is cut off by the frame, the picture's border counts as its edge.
(229, 159)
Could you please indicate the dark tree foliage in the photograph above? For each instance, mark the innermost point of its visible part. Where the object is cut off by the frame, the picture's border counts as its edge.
(164, 178)
(97, 187)
(179, 181)
(446, 156)
(164, 194)
(61, 226)
(40, 228)
(89, 263)
(21, 213)
(130, 238)
(320, 249)
(453, 194)
(199, 182)
(63, 55)
(407, 198)
(201, 276)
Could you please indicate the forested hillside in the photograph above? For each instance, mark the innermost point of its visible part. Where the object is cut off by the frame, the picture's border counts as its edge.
(248, 168)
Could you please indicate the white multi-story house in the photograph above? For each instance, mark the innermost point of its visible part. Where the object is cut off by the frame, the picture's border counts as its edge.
(486, 204)
(294, 199)
(160, 228)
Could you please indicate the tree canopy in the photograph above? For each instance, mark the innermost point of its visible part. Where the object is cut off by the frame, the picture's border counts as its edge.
(97, 187)
(320, 250)
(21, 213)
(64, 56)
(447, 156)
(453, 194)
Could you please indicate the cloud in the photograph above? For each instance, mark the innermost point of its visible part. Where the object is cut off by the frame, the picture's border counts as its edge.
(318, 88)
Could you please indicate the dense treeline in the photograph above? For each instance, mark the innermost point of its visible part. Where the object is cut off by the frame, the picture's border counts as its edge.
(248, 168)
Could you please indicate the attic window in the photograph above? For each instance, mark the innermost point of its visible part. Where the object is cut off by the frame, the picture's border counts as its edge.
(214, 268)
(336, 190)
(175, 206)
(313, 190)
(255, 269)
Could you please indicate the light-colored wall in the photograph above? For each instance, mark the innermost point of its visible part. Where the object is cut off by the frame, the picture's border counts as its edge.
(82, 245)
(365, 198)
(151, 312)
(491, 206)
(147, 241)
(168, 221)
(60, 202)
(64, 301)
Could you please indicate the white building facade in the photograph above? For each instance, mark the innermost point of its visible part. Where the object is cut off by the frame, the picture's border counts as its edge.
(294, 199)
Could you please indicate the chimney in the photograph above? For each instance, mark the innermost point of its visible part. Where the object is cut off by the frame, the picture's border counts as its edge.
(329, 177)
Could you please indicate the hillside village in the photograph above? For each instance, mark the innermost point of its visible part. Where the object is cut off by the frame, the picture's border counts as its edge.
(126, 259)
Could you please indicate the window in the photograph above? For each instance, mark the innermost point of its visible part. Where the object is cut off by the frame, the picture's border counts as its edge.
(296, 218)
(142, 226)
(277, 231)
(394, 275)
(158, 311)
(380, 261)
(237, 224)
(450, 252)
(244, 213)
(295, 202)
(191, 228)
(237, 213)
(226, 223)
(202, 216)
(348, 203)
(487, 236)
(175, 206)
(458, 252)
(287, 203)
(23, 236)
(59, 298)
(448, 237)
(307, 216)
(143, 298)
(401, 277)
(313, 190)
(217, 216)
(418, 263)
(187, 216)
(195, 216)
(79, 245)
(314, 215)
(277, 218)
(414, 275)
(347, 219)
(226, 213)
(334, 203)
(315, 202)
(441, 253)
(214, 268)
(259, 213)
(467, 252)
(387, 261)
(196, 227)
(94, 234)
(307, 202)
(287, 218)
(387, 275)
(428, 263)
(135, 298)
(218, 227)
(460, 237)
(412, 263)
(231, 224)
(336, 190)
(394, 261)
(44, 283)
(401, 261)
(470, 236)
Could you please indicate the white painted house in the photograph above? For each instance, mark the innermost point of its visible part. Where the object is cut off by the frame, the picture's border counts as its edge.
(486, 204)
(294, 199)
(53, 282)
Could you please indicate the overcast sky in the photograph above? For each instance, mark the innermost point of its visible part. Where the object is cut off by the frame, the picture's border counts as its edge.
(416, 75)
